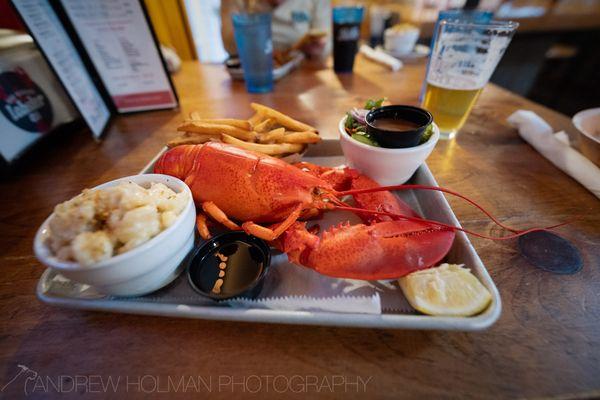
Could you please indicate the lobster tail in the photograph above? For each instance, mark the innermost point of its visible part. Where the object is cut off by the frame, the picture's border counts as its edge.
(178, 161)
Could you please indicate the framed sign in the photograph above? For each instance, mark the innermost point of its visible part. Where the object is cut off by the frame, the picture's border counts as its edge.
(106, 57)
(118, 39)
(60, 52)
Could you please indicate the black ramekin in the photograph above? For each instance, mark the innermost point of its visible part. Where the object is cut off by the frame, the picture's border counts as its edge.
(399, 139)
(199, 258)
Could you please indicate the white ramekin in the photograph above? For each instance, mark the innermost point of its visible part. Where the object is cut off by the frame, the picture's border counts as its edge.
(586, 122)
(386, 166)
(400, 43)
(141, 270)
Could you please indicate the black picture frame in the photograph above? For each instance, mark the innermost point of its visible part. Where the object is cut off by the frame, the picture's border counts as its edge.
(90, 64)
(53, 69)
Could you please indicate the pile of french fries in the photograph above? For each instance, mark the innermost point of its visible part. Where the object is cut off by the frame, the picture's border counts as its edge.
(268, 131)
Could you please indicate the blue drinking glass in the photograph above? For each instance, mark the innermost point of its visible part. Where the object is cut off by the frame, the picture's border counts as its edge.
(255, 47)
(472, 16)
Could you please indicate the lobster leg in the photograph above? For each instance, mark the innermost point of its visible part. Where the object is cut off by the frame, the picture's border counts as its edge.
(202, 227)
(272, 234)
(218, 215)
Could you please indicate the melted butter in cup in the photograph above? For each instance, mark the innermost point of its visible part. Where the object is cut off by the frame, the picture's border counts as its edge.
(229, 265)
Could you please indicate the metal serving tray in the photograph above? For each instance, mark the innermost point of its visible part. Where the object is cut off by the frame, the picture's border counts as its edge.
(177, 300)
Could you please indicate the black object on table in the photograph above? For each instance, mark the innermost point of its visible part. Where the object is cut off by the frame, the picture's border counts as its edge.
(550, 252)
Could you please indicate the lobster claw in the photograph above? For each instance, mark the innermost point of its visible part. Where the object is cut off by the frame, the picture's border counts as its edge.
(383, 201)
(296, 242)
(346, 178)
(384, 250)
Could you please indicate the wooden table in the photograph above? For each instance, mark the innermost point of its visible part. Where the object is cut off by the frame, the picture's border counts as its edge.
(546, 343)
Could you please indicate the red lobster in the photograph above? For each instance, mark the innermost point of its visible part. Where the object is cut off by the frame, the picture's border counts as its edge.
(231, 183)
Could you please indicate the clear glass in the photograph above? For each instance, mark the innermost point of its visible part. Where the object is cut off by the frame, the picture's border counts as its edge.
(255, 47)
(471, 16)
(462, 60)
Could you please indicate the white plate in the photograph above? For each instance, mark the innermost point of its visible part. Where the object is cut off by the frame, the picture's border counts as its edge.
(178, 300)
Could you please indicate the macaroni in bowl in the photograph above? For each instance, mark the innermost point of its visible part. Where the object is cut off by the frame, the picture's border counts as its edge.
(98, 224)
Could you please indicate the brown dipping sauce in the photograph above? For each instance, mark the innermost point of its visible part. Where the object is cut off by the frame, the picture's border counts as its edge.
(394, 125)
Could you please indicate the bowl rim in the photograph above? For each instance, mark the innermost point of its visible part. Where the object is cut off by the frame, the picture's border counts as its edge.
(403, 107)
(43, 254)
(384, 150)
(577, 119)
(412, 29)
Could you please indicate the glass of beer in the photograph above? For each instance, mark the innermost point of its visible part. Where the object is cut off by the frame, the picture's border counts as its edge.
(462, 60)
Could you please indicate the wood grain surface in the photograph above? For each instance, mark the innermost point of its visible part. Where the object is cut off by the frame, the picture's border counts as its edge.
(545, 345)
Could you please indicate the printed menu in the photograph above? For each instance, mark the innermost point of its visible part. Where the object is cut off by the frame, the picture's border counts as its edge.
(118, 39)
(59, 50)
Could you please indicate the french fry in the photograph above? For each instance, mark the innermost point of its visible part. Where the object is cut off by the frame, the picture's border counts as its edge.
(272, 136)
(217, 129)
(255, 119)
(238, 123)
(277, 134)
(299, 137)
(191, 138)
(264, 126)
(283, 119)
(269, 149)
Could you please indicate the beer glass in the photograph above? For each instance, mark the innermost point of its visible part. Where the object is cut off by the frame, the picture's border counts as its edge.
(470, 16)
(462, 60)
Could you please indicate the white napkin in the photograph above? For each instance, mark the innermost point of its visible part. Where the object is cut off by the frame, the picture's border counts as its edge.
(555, 148)
(380, 57)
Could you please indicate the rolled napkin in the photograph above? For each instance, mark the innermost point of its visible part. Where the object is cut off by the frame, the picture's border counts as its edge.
(380, 57)
(555, 148)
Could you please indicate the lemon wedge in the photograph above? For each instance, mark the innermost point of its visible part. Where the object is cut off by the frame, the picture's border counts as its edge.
(449, 290)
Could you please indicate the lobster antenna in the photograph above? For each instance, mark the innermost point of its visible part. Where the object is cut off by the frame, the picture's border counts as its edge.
(454, 228)
(424, 187)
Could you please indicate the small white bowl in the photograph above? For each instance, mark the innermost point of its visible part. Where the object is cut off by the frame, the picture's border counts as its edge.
(386, 166)
(400, 42)
(143, 269)
(588, 122)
